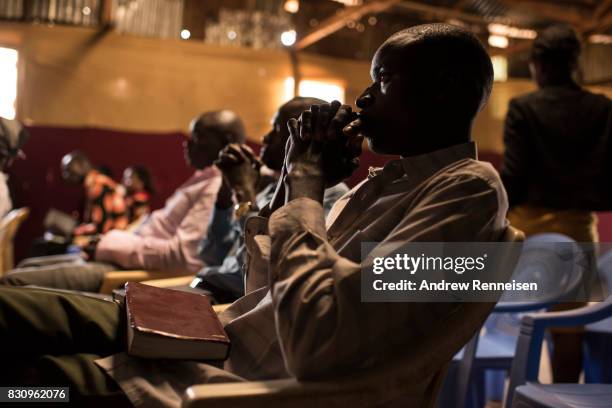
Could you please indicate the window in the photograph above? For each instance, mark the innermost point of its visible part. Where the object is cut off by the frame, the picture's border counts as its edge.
(500, 68)
(8, 82)
(326, 90)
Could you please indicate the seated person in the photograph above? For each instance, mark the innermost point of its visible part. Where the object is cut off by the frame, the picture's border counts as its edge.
(138, 186)
(253, 186)
(169, 240)
(309, 321)
(104, 204)
(12, 138)
(104, 210)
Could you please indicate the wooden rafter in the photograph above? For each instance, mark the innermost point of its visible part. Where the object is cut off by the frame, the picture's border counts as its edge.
(601, 19)
(550, 11)
(460, 5)
(442, 13)
(601, 10)
(337, 22)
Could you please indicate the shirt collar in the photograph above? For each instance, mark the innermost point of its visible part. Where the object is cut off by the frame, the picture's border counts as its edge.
(418, 168)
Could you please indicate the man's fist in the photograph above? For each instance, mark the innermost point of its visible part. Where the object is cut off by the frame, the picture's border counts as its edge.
(322, 141)
(240, 169)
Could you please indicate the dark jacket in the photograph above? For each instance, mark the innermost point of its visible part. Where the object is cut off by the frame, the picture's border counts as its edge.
(558, 149)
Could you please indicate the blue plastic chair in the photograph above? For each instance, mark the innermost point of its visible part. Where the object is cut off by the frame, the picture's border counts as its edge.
(548, 259)
(525, 391)
(598, 336)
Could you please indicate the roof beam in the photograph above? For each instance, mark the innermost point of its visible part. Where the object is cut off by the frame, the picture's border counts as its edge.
(547, 10)
(601, 19)
(442, 12)
(600, 11)
(337, 22)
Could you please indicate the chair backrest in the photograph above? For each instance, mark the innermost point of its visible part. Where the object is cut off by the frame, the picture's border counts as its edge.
(554, 261)
(604, 266)
(8, 228)
(548, 259)
(526, 364)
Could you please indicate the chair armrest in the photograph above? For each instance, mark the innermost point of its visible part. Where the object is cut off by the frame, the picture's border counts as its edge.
(114, 279)
(571, 318)
(287, 393)
(170, 282)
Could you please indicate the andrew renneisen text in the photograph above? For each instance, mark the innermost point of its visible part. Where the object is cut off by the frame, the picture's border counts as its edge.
(456, 264)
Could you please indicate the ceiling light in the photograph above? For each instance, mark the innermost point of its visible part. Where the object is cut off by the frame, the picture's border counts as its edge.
(512, 32)
(288, 38)
(291, 6)
(498, 41)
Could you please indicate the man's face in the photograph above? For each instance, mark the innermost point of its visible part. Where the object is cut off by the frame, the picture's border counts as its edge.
(272, 152)
(387, 113)
(131, 181)
(202, 149)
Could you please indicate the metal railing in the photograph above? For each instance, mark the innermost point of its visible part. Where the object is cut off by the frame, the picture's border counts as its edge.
(72, 12)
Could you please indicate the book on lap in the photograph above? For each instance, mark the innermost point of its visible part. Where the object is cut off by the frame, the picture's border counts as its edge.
(167, 323)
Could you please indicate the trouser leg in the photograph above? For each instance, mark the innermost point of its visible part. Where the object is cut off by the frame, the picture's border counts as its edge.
(49, 260)
(51, 338)
(45, 322)
(567, 357)
(83, 276)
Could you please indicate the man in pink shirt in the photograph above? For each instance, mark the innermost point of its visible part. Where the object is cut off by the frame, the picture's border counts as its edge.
(169, 240)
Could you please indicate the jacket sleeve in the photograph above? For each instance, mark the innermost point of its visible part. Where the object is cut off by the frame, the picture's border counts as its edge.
(323, 326)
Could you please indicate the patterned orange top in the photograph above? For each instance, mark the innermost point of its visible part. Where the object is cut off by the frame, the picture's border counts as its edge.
(105, 205)
(138, 204)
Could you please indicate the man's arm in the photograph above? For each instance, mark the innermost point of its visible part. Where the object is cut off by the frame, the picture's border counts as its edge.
(323, 326)
(515, 170)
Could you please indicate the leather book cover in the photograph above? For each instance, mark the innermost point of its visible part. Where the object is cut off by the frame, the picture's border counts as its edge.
(166, 323)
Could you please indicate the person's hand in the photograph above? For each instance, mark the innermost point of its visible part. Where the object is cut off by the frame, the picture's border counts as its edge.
(304, 154)
(342, 145)
(240, 169)
(90, 249)
(332, 130)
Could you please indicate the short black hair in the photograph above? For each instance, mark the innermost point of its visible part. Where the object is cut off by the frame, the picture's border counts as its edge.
(223, 122)
(297, 105)
(557, 45)
(449, 58)
(78, 156)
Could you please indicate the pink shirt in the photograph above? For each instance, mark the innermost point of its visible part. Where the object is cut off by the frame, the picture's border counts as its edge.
(169, 240)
